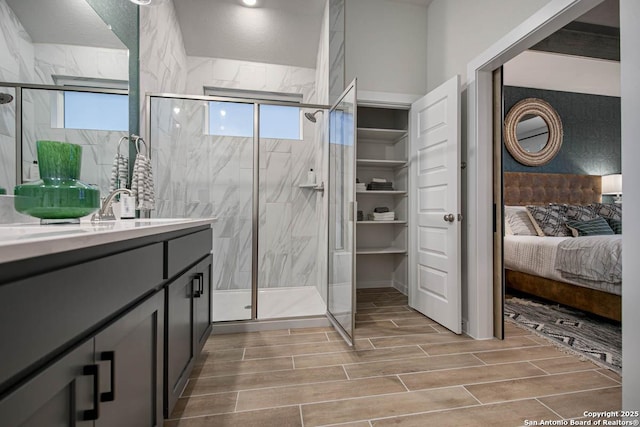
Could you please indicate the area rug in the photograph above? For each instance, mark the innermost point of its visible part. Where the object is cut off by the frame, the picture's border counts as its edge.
(595, 339)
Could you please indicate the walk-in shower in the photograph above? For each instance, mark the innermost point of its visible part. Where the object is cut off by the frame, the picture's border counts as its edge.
(247, 163)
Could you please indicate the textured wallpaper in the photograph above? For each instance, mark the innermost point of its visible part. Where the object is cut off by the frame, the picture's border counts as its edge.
(591, 126)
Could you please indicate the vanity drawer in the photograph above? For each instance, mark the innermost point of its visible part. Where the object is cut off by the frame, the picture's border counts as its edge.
(185, 251)
(43, 314)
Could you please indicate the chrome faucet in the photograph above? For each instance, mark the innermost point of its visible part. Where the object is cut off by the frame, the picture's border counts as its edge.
(106, 211)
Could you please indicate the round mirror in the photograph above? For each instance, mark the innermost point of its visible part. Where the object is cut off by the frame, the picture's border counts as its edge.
(533, 132)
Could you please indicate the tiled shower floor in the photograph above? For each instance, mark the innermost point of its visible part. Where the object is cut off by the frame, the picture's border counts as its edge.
(406, 370)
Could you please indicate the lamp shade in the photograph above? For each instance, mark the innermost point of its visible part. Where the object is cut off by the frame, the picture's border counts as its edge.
(612, 184)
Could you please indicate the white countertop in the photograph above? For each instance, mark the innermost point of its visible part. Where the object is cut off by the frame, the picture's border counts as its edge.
(31, 240)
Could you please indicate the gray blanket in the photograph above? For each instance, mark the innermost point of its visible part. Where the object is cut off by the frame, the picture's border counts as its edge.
(591, 258)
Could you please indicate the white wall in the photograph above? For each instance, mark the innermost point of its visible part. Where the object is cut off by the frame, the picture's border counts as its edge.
(384, 46)
(566, 73)
(459, 30)
(630, 60)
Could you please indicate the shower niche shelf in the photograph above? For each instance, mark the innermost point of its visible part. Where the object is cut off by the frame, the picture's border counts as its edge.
(316, 187)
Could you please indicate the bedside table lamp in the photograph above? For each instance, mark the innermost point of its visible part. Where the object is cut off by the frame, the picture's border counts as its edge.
(612, 184)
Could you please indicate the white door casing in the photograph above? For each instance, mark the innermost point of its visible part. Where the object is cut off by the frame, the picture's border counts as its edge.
(434, 256)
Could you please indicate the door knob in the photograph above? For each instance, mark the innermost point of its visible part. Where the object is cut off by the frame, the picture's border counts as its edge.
(449, 217)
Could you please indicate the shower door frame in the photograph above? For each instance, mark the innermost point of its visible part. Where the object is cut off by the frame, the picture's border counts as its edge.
(255, 221)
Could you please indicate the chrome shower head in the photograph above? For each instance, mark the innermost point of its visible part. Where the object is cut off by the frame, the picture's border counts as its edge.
(312, 116)
(5, 98)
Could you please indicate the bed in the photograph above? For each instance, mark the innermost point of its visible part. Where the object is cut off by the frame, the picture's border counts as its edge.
(530, 261)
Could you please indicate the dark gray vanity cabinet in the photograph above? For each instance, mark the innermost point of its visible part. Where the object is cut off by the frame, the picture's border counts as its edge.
(60, 396)
(84, 339)
(129, 355)
(202, 304)
(110, 380)
(180, 348)
(188, 325)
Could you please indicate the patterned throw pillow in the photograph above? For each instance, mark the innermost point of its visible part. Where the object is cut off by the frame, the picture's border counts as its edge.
(592, 227)
(549, 220)
(615, 224)
(518, 222)
(607, 210)
(580, 213)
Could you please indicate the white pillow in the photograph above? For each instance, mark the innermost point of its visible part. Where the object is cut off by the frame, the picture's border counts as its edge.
(519, 221)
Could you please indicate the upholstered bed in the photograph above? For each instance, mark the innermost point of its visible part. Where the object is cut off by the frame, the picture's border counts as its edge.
(532, 262)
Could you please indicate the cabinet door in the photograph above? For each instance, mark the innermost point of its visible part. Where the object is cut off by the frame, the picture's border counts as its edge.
(179, 336)
(202, 303)
(59, 396)
(129, 354)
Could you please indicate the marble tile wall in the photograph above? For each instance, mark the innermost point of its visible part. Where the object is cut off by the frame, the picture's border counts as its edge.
(16, 65)
(16, 48)
(66, 60)
(257, 76)
(336, 49)
(163, 59)
(322, 97)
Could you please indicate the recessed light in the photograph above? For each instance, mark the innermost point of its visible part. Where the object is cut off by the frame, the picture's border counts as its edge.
(176, 110)
(223, 113)
(250, 3)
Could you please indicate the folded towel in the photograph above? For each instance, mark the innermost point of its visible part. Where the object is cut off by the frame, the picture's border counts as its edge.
(387, 216)
(381, 209)
(120, 169)
(378, 180)
(142, 187)
(378, 186)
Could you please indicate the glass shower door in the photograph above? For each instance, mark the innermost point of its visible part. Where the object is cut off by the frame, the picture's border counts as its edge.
(203, 163)
(342, 212)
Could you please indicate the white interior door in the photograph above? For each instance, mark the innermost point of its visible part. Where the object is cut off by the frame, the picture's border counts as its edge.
(434, 264)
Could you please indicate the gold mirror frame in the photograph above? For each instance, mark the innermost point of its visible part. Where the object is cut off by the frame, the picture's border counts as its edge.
(540, 108)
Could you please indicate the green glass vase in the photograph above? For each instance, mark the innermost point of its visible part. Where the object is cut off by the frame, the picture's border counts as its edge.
(58, 195)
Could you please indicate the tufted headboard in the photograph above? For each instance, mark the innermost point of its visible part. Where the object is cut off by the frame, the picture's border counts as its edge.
(524, 188)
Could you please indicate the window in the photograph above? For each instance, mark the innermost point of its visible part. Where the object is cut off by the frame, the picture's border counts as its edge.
(90, 110)
(236, 118)
(96, 111)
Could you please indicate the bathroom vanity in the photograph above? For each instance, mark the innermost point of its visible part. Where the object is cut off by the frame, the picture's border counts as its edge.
(101, 324)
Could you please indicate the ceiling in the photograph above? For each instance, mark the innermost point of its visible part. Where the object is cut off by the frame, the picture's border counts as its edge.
(278, 32)
(606, 13)
(283, 32)
(71, 22)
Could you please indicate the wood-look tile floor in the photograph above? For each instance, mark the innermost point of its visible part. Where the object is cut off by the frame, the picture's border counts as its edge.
(406, 370)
